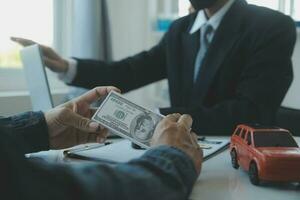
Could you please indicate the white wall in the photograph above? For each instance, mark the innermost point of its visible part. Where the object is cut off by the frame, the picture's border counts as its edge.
(293, 96)
(132, 24)
(132, 32)
(129, 26)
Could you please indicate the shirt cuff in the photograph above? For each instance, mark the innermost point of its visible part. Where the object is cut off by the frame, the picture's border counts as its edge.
(70, 74)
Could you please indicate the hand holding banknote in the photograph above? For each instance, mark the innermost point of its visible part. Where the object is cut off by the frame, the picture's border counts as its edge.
(70, 124)
(174, 130)
(146, 128)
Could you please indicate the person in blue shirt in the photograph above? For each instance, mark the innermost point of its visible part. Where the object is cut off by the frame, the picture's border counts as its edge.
(167, 170)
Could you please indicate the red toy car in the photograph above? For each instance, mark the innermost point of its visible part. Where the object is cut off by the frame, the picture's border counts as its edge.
(267, 153)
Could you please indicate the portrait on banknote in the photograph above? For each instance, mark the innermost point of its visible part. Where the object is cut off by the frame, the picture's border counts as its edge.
(143, 127)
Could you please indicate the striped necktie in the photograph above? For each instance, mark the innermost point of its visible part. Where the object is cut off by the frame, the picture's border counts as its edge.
(206, 35)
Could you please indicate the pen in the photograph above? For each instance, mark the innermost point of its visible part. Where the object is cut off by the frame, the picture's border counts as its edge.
(204, 140)
(201, 138)
(85, 147)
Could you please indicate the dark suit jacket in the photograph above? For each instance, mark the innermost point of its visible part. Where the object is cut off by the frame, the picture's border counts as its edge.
(161, 173)
(244, 77)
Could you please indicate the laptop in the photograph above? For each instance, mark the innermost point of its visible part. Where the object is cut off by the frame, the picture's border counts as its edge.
(36, 78)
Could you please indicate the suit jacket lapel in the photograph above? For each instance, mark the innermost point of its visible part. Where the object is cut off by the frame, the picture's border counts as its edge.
(225, 38)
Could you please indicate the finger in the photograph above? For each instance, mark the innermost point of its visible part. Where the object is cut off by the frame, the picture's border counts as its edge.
(22, 41)
(93, 111)
(97, 137)
(102, 91)
(102, 136)
(173, 117)
(194, 139)
(185, 121)
(97, 93)
(47, 51)
(91, 138)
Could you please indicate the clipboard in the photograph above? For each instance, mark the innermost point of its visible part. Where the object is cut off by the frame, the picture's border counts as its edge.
(75, 153)
(122, 151)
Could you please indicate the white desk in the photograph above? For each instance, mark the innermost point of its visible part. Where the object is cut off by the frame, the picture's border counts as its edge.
(219, 181)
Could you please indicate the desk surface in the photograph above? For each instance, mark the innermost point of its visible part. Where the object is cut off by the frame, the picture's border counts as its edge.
(218, 180)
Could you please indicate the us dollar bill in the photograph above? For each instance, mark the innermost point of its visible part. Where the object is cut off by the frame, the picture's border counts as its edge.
(127, 119)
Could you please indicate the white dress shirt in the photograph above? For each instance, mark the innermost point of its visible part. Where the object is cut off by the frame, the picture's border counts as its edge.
(70, 74)
(214, 21)
(200, 21)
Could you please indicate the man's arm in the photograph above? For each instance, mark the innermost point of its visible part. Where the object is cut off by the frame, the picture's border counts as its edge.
(162, 173)
(261, 88)
(128, 74)
(29, 130)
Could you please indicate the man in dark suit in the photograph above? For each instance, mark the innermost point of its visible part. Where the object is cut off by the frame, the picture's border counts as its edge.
(167, 171)
(226, 64)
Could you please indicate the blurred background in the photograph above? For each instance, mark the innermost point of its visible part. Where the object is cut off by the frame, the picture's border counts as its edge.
(99, 29)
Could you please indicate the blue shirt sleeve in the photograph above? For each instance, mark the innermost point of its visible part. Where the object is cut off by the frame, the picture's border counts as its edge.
(161, 173)
(29, 131)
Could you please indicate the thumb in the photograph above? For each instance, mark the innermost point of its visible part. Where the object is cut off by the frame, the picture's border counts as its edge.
(70, 118)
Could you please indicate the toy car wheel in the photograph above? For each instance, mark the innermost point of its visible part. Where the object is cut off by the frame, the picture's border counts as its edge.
(234, 161)
(253, 173)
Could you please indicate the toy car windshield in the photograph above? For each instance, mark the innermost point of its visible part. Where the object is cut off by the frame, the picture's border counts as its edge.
(273, 139)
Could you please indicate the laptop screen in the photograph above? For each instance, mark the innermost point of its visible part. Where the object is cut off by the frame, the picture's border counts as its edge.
(36, 78)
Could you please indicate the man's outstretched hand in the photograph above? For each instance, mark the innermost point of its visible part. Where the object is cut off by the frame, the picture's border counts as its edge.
(175, 130)
(51, 59)
(70, 124)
